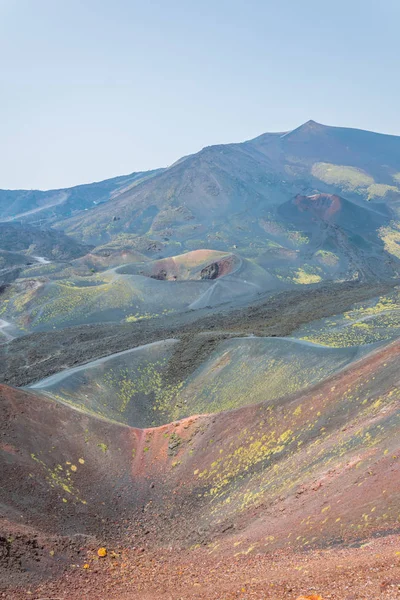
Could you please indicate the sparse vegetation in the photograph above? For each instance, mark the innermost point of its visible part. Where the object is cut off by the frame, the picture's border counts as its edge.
(351, 179)
(307, 275)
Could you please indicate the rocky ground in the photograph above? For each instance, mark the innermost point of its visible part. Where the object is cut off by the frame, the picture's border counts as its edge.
(365, 573)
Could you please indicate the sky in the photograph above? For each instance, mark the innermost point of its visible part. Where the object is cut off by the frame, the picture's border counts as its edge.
(92, 89)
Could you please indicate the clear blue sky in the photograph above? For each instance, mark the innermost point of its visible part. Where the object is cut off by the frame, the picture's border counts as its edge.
(90, 89)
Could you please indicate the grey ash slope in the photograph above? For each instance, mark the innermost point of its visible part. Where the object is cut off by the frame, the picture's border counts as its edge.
(15, 237)
(377, 153)
(24, 245)
(220, 194)
(33, 206)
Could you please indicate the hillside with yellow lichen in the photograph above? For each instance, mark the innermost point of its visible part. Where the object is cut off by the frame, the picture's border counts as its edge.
(211, 388)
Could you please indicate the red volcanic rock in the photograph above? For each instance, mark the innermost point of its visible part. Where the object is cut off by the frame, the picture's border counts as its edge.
(322, 205)
(199, 264)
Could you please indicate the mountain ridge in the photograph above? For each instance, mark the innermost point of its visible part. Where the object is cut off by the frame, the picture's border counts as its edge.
(279, 203)
(78, 197)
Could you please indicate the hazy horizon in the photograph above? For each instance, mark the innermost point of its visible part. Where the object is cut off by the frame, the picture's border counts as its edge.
(283, 131)
(94, 91)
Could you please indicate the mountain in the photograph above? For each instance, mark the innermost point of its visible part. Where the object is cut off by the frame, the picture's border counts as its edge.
(221, 192)
(36, 206)
(267, 205)
(221, 197)
(210, 359)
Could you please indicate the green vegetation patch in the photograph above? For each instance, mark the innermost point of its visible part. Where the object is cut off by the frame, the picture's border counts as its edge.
(351, 179)
(380, 190)
(391, 238)
(367, 323)
(307, 275)
(328, 259)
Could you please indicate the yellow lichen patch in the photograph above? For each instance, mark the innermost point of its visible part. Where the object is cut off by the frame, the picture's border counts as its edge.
(74, 468)
(225, 469)
(391, 238)
(148, 381)
(56, 478)
(380, 190)
(364, 324)
(303, 277)
(81, 461)
(102, 552)
(349, 178)
(326, 258)
(139, 317)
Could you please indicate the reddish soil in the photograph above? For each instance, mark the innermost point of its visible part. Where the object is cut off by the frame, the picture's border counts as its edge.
(244, 499)
(199, 264)
(366, 573)
(323, 205)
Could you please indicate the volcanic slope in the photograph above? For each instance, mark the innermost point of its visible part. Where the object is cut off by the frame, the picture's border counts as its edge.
(23, 245)
(133, 292)
(32, 241)
(316, 469)
(36, 206)
(138, 387)
(341, 242)
(220, 196)
(228, 197)
(35, 356)
(376, 320)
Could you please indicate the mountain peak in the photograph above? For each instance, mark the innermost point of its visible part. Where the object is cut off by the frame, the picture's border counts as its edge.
(307, 127)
